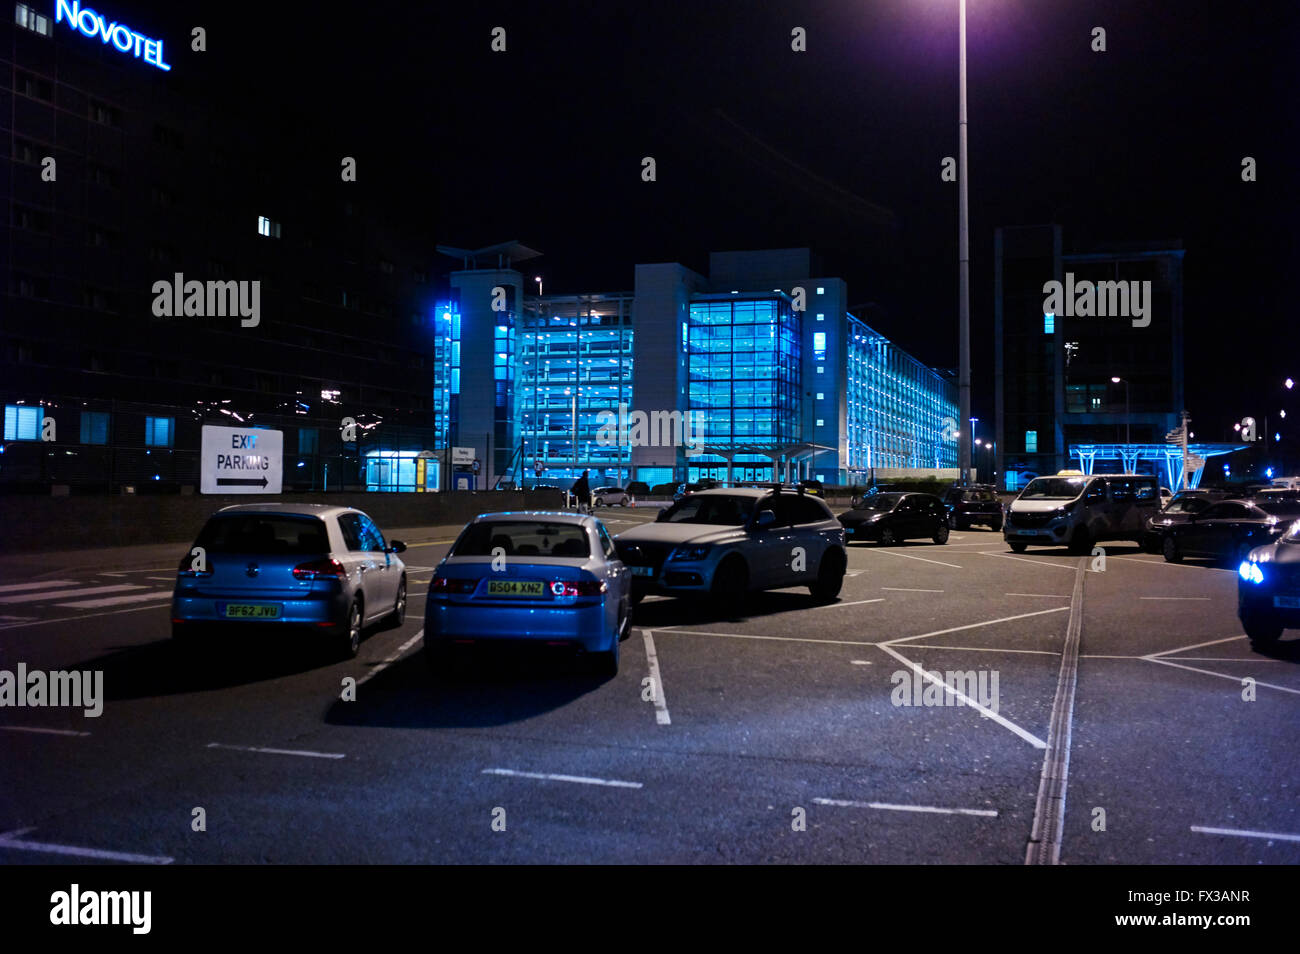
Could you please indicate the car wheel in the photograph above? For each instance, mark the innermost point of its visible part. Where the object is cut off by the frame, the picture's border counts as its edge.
(623, 502)
(996, 526)
(830, 577)
(606, 663)
(600, 501)
(941, 533)
(1171, 551)
(350, 641)
(1262, 628)
(398, 616)
(887, 538)
(730, 584)
(1018, 547)
(1080, 542)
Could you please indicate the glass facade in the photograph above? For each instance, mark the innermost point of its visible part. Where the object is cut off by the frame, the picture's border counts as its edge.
(900, 412)
(576, 353)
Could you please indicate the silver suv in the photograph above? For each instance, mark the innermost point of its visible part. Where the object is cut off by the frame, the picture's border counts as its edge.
(725, 543)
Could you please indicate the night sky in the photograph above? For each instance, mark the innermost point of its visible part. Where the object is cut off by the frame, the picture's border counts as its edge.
(838, 148)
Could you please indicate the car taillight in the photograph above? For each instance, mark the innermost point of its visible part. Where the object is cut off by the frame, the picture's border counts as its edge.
(444, 584)
(578, 587)
(186, 568)
(327, 569)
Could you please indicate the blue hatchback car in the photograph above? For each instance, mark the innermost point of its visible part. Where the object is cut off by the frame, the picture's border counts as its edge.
(530, 576)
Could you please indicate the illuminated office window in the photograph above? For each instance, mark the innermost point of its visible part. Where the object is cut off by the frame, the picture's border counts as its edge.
(267, 227)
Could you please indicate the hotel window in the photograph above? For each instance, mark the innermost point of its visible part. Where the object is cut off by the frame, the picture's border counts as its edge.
(104, 176)
(267, 227)
(104, 114)
(94, 427)
(29, 19)
(158, 431)
(22, 423)
(1031, 442)
(34, 87)
(26, 151)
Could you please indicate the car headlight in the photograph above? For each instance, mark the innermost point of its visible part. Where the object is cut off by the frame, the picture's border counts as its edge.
(1250, 572)
(690, 551)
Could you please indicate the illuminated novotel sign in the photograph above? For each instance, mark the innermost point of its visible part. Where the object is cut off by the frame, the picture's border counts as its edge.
(92, 24)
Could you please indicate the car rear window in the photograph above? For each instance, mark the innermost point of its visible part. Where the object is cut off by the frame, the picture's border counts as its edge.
(720, 509)
(264, 534)
(523, 538)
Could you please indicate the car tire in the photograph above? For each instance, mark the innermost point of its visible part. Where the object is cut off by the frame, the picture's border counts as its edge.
(398, 616)
(1018, 547)
(606, 663)
(730, 584)
(996, 526)
(1080, 542)
(887, 538)
(941, 533)
(623, 502)
(600, 501)
(830, 577)
(1169, 547)
(350, 641)
(1262, 628)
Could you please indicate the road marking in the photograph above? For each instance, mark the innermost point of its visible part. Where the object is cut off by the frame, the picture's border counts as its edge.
(32, 728)
(657, 682)
(1206, 598)
(162, 579)
(1044, 846)
(878, 599)
(118, 600)
(1221, 675)
(989, 622)
(908, 556)
(779, 639)
(112, 574)
(1183, 649)
(389, 660)
(1271, 835)
(1029, 737)
(908, 589)
(1046, 596)
(1228, 659)
(67, 594)
(253, 748)
(43, 585)
(1163, 562)
(10, 840)
(860, 662)
(83, 616)
(886, 806)
(998, 649)
(547, 777)
(1007, 556)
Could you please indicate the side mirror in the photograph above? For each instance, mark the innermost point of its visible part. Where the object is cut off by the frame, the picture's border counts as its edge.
(764, 519)
(396, 546)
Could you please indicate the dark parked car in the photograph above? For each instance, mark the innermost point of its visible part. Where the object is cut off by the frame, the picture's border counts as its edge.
(1229, 530)
(1268, 589)
(1177, 511)
(977, 504)
(694, 487)
(812, 487)
(894, 517)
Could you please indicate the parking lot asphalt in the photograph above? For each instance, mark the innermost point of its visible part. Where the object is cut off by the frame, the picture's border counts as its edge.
(909, 722)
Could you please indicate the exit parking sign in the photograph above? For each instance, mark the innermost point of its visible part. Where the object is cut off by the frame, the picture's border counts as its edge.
(241, 460)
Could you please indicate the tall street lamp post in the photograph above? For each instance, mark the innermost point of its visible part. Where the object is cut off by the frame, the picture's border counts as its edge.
(963, 251)
(1128, 421)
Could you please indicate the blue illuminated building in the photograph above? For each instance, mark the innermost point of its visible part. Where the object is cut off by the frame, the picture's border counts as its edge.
(756, 372)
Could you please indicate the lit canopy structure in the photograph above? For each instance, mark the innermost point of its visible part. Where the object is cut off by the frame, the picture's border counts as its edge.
(1169, 456)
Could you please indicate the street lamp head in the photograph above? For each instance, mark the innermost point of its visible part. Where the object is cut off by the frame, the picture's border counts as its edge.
(1114, 380)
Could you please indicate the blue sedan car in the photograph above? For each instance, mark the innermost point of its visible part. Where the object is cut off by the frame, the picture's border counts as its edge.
(270, 566)
(530, 576)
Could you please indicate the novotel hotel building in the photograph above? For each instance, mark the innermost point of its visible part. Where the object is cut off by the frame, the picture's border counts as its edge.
(757, 371)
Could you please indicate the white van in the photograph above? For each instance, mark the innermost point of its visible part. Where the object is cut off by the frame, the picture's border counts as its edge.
(1076, 510)
(1285, 483)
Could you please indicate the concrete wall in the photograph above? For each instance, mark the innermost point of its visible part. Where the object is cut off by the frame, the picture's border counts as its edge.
(34, 524)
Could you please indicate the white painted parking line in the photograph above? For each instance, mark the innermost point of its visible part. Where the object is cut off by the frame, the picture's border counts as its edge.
(1183, 649)
(118, 600)
(908, 556)
(778, 639)
(860, 662)
(1270, 835)
(1007, 556)
(162, 579)
(998, 649)
(253, 748)
(927, 809)
(656, 680)
(1046, 596)
(11, 840)
(547, 777)
(37, 729)
(1159, 561)
(1205, 598)
(389, 660)
(112, 574)
(988, 713)
(43, 585)
(68, 594)
(908, 589)
(878, 599)
(82, 617)
(987, 622)
(1221, 675)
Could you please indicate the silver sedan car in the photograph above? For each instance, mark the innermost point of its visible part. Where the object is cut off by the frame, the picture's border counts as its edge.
(269, 566)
